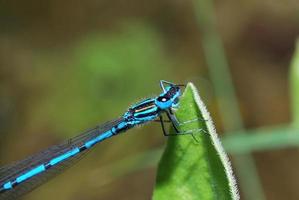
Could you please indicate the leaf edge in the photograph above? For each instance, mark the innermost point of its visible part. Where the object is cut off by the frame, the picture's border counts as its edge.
(216, 143)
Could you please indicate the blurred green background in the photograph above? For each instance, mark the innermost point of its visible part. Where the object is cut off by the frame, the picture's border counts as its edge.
(66, 66)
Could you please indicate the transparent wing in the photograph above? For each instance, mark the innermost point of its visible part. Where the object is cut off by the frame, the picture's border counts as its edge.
(10, 172)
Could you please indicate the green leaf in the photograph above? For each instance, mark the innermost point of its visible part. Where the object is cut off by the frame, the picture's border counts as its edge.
(192, 169)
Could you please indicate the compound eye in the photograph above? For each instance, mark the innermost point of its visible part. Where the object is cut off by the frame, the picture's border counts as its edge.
(163, 99)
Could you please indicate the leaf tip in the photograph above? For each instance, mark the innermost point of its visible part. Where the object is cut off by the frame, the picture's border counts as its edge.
(216, 141)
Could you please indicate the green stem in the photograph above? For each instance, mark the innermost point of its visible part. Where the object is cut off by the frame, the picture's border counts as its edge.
(294, 82)
(262, 139)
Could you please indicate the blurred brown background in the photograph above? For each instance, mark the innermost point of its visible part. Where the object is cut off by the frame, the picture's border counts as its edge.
(68, 65)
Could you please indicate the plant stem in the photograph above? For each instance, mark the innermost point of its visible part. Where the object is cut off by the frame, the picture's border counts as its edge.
(294, 82)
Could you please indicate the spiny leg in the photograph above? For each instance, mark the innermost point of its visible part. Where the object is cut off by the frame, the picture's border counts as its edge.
(162, 121)
(162, 125)
(159, 120)
(193, 120)
(188, 121)
(162, 82)
(173, 119)
(176, 125)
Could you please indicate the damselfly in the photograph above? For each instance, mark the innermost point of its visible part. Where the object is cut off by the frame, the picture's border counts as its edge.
(23, 176)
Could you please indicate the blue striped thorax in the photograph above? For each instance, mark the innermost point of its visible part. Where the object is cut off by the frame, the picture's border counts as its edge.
(141, 112)
(150, 109)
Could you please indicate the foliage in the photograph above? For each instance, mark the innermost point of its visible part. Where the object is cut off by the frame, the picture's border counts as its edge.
(194, 169)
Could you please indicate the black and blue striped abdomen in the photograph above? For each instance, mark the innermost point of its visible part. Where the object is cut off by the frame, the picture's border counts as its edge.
(25, 175)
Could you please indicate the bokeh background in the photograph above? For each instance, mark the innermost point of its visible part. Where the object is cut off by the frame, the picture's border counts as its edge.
(66, 66)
